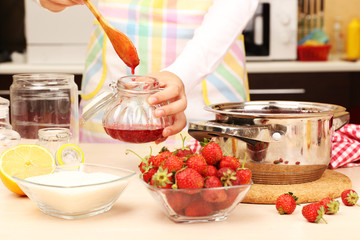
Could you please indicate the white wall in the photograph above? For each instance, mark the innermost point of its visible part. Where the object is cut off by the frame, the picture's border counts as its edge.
(57, 38)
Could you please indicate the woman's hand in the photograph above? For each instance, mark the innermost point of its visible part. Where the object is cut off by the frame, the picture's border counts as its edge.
(59, 5)
(174, 92)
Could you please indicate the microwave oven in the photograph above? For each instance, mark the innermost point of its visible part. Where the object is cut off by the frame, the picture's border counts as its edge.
(271, 34)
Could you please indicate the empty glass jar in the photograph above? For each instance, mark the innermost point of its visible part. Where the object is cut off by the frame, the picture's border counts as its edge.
(43, 101)
(127, 116)
(53, 138)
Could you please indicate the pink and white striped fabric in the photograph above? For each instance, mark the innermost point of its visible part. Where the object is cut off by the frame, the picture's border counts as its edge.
(346, 147)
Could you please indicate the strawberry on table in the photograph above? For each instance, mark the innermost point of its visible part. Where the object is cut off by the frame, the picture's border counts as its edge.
(211, 151)
(286, 203)
(331, 205)
(313, 212)
(349, 197)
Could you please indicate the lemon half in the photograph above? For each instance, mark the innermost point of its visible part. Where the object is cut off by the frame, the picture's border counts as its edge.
(23, 161)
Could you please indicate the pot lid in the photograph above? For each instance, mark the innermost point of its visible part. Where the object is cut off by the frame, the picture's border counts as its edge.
(274, 109)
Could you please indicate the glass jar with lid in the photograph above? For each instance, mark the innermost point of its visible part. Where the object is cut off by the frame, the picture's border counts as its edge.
(127, 116)
(43, 101)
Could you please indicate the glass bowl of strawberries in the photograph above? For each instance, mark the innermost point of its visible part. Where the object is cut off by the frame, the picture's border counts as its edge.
(201, 205)
(199, 187)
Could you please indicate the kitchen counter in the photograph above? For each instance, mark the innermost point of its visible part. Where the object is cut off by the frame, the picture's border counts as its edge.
(252, 67)
(299, 67)
(136, 215)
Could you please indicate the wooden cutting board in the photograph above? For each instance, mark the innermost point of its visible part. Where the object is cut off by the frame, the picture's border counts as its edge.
(331, 184)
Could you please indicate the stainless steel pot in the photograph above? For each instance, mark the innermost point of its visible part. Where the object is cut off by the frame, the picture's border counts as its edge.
(286, 142)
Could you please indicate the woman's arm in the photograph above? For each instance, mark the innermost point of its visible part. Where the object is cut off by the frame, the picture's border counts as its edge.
(224, 22)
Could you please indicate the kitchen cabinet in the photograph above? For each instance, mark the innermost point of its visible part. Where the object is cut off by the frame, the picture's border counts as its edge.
(341, 88)
(316, 82)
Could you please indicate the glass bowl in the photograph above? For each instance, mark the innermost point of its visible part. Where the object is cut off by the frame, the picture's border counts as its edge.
(76, 191)
(198, 205)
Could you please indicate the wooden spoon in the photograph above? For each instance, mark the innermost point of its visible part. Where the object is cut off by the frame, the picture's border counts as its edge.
(123, 46)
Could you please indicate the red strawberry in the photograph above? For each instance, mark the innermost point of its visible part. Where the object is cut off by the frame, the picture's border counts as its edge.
(229, 161)
(286, 203)
(331, 205)
(313, 212)
(213, 195)
(231, 197)
(173, 163)
(210, 170)
(162, 179)
(211, 151)
(178, 200)
(198, 208)
(350, 197)
(144, 164)
(159, 159)
(227, 176)
(147, 175)
(189, 178)
(244, 174)
(184, 151)
(196, 162)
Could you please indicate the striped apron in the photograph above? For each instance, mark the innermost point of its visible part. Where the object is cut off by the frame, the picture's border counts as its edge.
(159, 30)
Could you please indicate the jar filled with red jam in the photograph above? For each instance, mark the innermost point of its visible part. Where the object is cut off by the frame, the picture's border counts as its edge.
(128, 117)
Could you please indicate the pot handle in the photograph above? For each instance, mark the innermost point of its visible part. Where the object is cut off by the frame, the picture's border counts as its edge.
(248, 133)
(340, 119)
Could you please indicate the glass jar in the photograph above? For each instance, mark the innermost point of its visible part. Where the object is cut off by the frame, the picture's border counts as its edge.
(127, 116)
(4, 110)
(8, 137)
(44, 101)
(53, 138)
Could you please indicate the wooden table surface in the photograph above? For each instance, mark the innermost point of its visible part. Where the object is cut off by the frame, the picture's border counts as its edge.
(136, 215)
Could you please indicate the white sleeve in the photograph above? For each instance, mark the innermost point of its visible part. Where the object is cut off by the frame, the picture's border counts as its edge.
(222, 24)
